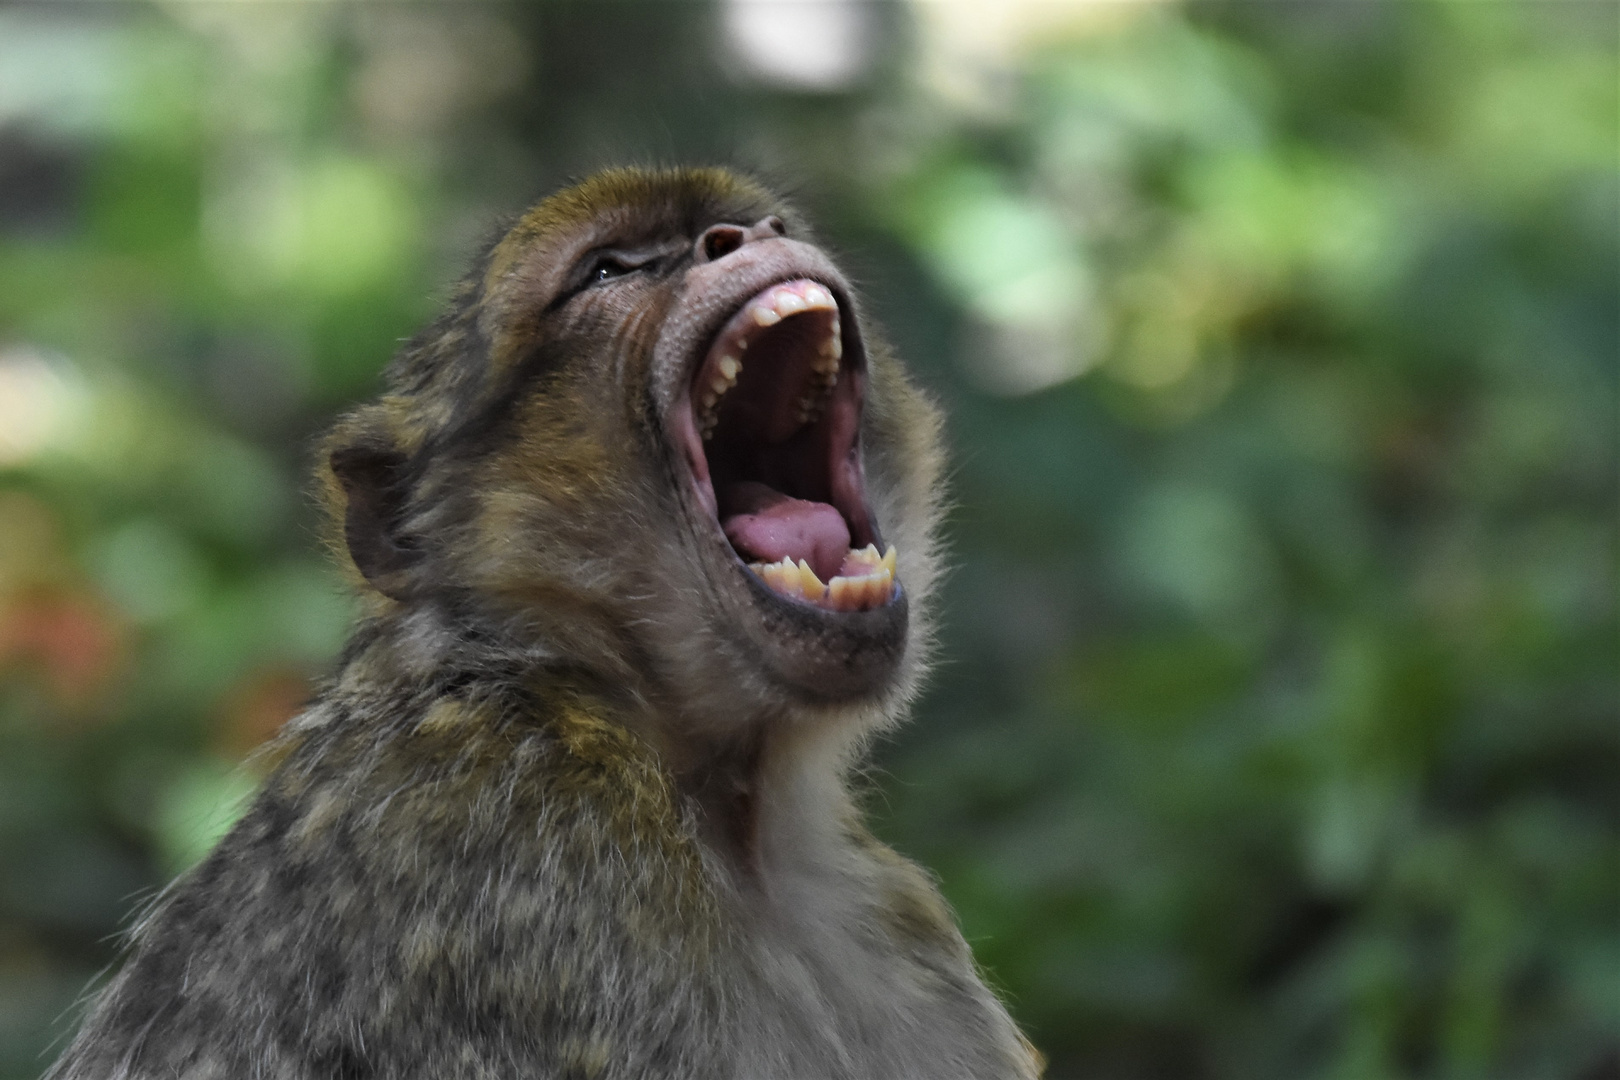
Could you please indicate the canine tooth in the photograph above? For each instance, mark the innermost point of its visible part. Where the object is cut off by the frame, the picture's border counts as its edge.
(765, 316)
(729, 367)
(789, 303)
(809, 584)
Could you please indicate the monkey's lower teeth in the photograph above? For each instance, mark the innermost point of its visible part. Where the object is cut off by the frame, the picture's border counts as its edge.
(866, 580)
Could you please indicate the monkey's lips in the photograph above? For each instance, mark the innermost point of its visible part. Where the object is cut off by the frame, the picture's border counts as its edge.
(771, 431)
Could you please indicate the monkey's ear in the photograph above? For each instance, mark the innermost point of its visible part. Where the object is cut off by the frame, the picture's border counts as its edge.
(375, 484)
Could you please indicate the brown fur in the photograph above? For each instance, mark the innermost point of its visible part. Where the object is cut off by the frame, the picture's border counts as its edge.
(555, 815)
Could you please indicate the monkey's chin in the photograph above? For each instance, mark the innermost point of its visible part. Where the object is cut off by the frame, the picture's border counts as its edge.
(767, 420)
(830, 656)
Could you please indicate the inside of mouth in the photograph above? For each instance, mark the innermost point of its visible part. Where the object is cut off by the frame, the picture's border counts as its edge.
(775, 412)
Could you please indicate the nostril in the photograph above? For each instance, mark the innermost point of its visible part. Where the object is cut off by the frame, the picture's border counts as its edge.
(774, 224)
(719, 241)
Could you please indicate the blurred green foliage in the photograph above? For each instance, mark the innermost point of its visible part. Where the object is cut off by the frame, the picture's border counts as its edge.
(1278, 733)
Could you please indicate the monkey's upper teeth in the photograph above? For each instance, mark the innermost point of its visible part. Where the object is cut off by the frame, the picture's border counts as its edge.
(790, 298)
(725, 377)
(804, 363)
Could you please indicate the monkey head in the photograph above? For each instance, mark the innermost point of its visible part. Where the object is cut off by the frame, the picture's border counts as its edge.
(652, 438)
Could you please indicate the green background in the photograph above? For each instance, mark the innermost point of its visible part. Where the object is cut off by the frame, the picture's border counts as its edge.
(1276, 734)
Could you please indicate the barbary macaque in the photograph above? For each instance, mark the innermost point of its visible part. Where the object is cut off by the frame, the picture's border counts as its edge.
(643, 528)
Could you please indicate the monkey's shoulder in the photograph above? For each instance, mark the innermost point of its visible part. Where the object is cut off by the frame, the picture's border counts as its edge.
(445, 890)
(509, 782)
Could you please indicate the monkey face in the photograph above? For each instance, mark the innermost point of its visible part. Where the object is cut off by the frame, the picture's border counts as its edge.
(653, 433)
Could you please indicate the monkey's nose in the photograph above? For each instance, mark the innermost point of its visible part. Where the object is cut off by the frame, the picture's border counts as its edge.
(721, 240)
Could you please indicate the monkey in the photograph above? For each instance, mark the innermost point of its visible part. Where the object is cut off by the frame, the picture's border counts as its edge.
(643, 530)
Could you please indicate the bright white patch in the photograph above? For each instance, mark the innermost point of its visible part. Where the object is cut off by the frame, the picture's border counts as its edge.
(39, 399)
(805, 44)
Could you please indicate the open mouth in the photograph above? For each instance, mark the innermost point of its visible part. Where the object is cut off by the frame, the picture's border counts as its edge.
(771, 423)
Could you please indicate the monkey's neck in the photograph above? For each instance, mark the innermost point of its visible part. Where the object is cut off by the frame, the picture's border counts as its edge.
(772, 805)
(724, 785)
(768, 795)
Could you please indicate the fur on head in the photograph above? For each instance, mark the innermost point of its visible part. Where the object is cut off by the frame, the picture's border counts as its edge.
(547, 466)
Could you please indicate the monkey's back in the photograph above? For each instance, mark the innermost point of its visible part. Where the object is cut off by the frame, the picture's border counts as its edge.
(503, 884)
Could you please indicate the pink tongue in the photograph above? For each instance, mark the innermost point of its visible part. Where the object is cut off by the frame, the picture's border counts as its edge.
(768, 526)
